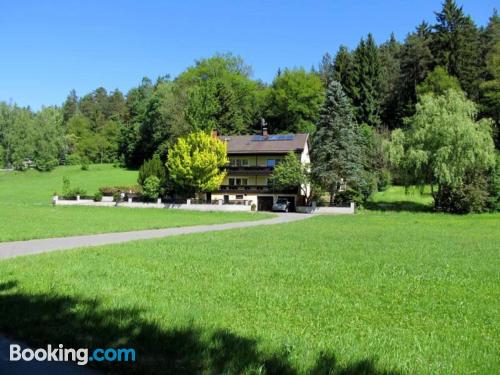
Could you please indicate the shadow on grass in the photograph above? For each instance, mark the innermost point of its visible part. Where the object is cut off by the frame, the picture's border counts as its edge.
(399, 206)
(42, 319)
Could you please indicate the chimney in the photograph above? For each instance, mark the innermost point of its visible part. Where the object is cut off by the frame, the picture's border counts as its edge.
(263, 126)
(215, 133)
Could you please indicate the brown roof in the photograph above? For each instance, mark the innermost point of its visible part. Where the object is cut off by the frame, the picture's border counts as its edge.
(270, 144)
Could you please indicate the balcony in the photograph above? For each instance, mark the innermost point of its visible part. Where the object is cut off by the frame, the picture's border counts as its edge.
(242, 189)
(249, 170)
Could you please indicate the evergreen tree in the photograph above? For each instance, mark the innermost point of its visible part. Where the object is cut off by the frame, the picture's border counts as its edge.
(367, 76)
(456, 46)
(416, 61)
(343, 72)
(325, 69)
(70, 106)
(337, 146)
(390, 72)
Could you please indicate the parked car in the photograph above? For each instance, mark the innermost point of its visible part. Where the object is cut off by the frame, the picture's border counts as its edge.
(281, 205)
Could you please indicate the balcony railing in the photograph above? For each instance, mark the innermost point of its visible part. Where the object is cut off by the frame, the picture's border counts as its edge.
(241, 189)
(250, 170)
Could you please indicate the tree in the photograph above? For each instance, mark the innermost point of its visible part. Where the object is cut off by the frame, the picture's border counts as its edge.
(131, 145)
(49, 140)
(326, 69)
(416, 61)
(293, 101)
(221, 95)
(152, 167)
(490, 90)
(195, 162)
(343, 72)
(337, 146)
(290, 173)
(390, 73)
(438, 82)
(70, 106)
(456, 46)
(444, 146)
(367, 79)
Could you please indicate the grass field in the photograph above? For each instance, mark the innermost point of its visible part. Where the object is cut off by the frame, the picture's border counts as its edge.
(397, 198)
(25, 206)
(376, 293)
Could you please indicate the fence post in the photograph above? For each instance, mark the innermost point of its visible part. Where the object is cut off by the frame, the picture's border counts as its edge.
(129, 200)
(78, 198)
(188, 201)
(55, 198)
(159, 201)
(352, 207)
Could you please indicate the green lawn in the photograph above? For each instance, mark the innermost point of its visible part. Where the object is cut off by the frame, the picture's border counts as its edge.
(396, 198)
(26, 210)
(366, 294)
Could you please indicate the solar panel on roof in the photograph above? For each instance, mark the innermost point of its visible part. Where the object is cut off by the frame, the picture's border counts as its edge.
(281, 137)
(275, 137)
(257, 138)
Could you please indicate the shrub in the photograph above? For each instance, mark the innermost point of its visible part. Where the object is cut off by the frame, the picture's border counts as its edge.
(117, 196)
(66, 186)
(85, 164)
(72, 193)
(46, 164)
(344, 198)
(253, 207)
(467, 198)
(111, 190)
(384, 180)
(494, 186)
(98, 197)
(73, 159)
(151, 188)
(152, 167)
(107, 190)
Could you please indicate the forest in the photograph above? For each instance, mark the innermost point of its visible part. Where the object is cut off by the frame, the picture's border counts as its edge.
(383, 82)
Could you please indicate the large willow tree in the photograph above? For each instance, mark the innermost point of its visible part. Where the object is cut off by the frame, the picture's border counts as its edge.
(444, 146)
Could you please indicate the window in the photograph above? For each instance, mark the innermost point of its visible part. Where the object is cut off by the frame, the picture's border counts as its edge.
(271, 163)
(238, 181)
(239, 196)
(238, 163)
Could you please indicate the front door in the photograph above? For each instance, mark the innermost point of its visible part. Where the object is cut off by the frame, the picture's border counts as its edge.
(264, 203)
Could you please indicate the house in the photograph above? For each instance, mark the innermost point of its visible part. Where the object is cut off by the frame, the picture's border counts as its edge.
(252, 159)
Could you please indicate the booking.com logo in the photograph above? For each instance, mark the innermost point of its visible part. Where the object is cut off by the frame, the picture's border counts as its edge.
(80, 356)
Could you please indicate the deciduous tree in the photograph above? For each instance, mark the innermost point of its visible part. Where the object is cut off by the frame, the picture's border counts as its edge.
(195, 163)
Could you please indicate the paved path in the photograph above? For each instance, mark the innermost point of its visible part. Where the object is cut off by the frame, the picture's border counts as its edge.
(17, 248)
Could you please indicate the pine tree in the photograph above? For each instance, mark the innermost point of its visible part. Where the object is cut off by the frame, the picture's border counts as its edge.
(416, 61)
(70, 106)
(456, 46)
(337, 151)
(325, 69)
(343, 72)
(390, 72)
(367, 76)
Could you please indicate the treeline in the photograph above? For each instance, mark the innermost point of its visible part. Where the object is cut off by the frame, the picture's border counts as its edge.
(382, 82)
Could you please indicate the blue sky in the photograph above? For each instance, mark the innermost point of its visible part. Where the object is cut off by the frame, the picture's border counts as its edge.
(49, 47)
